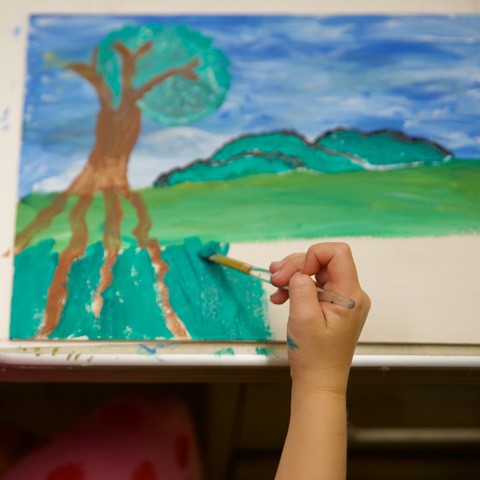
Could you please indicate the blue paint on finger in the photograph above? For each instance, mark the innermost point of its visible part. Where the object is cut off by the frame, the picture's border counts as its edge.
(291, 343)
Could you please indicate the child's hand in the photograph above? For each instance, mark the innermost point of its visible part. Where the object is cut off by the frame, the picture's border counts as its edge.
(321, 336)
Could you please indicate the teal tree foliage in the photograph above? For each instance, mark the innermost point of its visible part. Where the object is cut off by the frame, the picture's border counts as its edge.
(177, 100)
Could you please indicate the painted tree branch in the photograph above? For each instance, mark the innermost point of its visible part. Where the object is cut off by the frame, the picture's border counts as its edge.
(128, 70)
(129, 67)
(143, 50)
(186, 71)
(88, 71)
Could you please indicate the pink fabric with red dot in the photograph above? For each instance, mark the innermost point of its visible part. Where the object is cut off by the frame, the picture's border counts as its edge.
(131, 438)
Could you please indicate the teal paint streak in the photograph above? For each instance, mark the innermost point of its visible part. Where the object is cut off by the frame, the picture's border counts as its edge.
(214, 302)
(224, 351)
(130, 310)
(132, 298)
(34, 268)
(211, 248)
(265, 351)
(77, 318)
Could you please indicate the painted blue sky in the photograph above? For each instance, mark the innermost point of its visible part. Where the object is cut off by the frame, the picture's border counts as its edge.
(418, 74)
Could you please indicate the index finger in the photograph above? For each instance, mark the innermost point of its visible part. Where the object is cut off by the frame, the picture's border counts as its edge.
(337, 260)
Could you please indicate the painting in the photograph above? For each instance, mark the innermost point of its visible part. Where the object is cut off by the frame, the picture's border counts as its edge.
(145, 137)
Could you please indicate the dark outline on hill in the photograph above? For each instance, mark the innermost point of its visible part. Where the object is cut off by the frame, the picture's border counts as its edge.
(395, 135)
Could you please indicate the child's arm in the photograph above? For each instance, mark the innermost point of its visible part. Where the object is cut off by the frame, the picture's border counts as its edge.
(321, 342)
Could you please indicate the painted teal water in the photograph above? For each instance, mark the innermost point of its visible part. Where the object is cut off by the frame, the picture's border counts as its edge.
(34, 269)
(130, 310)
(213, 304)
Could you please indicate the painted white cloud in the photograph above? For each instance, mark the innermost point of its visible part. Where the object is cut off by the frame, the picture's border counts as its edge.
(59, 182)
(163, 150)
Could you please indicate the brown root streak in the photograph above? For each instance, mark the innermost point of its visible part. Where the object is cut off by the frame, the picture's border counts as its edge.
(174, 324)
(57, 293)
(111, 241)
(42, 220)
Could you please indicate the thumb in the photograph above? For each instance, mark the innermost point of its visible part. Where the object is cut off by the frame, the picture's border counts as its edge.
(304, 305)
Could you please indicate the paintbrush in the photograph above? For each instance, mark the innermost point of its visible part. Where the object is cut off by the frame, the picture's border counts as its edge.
(266, 276)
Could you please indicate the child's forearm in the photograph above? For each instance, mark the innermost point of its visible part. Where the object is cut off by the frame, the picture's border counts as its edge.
(315, 447)
(322, 339)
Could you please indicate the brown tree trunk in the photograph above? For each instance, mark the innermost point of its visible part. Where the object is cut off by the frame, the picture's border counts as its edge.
(116, 134)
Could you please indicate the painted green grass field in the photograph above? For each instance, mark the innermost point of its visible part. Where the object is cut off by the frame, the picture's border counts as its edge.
(417, 201)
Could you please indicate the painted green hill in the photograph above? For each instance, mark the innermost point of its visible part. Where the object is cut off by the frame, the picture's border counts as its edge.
(335, 151)
(384, 148)
(405, 202)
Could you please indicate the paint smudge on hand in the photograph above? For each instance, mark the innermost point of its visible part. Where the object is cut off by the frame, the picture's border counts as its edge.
(291, 343)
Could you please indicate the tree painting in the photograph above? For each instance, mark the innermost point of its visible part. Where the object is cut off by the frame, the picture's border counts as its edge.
(333, 127)
(170, 73)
